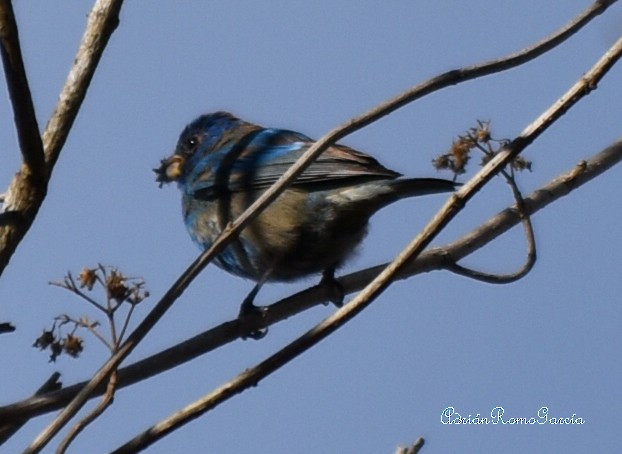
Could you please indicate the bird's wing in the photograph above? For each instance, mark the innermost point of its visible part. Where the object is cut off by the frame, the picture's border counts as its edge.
(272, 151)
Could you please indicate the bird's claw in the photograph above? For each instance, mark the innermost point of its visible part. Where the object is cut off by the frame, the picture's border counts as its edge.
(251, 313)
(335, 292)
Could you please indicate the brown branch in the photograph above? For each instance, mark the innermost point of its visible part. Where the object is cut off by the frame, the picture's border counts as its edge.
(433, 259)
(252, 376)
(19, 92)
(92, 416)
(28, 189)
(412, 449)
(30, 182)
(8, 430)
(530, 260)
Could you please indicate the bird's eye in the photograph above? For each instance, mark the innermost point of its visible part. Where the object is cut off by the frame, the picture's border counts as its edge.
(191, 142)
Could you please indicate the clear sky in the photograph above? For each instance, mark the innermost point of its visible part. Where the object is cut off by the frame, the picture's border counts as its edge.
(431, 342)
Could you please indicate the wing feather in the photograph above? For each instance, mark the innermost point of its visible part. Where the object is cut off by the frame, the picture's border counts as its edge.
(273, 151)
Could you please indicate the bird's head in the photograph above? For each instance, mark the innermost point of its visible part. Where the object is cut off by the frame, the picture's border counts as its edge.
(197, 141)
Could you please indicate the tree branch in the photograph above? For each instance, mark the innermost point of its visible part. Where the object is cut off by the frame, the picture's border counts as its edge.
(19, 92)
(6, 327)
(13, 425)
(412, 449)
(433, 259)
(531, 247)
(92, 416)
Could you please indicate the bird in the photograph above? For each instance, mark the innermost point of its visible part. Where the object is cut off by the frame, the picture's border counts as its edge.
(222, 164)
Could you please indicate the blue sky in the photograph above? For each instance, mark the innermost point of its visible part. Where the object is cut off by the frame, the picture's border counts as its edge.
(431, 342)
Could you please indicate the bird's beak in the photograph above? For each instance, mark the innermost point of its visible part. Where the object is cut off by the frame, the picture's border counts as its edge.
(170, 169)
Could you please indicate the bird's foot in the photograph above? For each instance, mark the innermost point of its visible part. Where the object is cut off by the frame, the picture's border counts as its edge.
(251, 312)
(334, 290)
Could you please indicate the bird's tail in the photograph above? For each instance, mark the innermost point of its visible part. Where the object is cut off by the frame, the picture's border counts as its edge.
(412, 187)
(373, 195)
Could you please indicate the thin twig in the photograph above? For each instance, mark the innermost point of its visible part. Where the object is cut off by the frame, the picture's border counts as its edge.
(102, 339)
(433, 259)
(126, 323)
(92, 416)
(530, 258)
(456, 202)
(70, 285)
(114, 340)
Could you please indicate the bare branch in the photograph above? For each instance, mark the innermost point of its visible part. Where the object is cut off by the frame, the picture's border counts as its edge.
(92, 416)
(23, 109)
(531, 247)
(412, 449)
(30, 183)
(14, 424)
(433, 259)
(6, 327)
(70, 284)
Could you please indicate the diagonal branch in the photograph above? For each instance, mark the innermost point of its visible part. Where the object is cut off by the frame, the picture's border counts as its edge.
(456, 202)
(433, 259)
(445, 80)
(13, 425)
(92, 416)
(23, 109)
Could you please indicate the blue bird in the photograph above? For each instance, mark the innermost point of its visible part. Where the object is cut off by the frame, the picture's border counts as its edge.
(222, 164)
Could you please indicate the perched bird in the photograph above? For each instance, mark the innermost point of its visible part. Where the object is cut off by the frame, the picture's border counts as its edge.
(222, 164)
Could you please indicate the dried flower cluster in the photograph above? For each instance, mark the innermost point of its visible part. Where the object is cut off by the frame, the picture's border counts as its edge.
(58, 342)
(119, 291)
(477, 138)
(119, 287)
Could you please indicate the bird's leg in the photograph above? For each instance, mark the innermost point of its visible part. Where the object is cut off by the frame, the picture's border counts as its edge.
(248, 309)
(334, 290)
